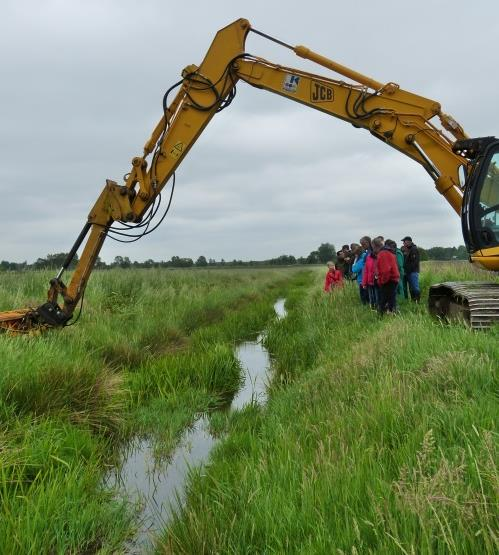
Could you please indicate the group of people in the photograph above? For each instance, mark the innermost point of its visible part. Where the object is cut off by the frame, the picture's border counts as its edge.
(381, 270)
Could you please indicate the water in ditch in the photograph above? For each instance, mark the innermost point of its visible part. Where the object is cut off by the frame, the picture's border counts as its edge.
(158, 486)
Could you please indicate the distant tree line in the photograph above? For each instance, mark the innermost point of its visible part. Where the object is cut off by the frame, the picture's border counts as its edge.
(447, 253)
(324, 253)
(51, 261)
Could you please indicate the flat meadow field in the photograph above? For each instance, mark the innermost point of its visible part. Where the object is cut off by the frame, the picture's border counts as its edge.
(379, 434)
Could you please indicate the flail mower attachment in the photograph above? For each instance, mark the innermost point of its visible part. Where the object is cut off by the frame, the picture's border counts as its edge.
(31, 320)
(18, 321)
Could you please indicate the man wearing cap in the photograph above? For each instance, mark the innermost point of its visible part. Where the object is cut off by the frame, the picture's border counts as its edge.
(411, 267)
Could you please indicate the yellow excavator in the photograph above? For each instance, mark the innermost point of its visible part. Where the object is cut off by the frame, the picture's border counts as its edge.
(465, 170)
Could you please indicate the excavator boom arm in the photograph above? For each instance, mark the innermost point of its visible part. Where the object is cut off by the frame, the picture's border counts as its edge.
(203, 90)
(399, 118)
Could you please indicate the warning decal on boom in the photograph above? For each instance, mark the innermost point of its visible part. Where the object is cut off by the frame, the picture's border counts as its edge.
(176, 150)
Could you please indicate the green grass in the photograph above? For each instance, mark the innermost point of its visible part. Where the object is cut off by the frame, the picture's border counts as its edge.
(50, 493)
(153, 348)
(379, 437)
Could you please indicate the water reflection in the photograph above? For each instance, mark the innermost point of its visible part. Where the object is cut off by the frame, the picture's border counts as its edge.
(157, 486)
(279, 308)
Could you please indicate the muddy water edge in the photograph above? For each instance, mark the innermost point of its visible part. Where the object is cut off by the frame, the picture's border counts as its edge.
(157, 485)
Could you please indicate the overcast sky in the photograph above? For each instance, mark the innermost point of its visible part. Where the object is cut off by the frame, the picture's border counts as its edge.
(81, 89)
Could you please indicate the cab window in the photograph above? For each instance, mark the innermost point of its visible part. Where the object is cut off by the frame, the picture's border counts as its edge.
(487, 215)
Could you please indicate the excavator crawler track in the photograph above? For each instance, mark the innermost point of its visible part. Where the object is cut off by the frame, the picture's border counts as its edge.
(474, 302)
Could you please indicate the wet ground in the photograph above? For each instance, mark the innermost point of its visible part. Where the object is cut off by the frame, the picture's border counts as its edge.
(158, 486)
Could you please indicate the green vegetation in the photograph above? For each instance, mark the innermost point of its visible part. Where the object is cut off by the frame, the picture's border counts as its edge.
(379, 437)
(153, 348)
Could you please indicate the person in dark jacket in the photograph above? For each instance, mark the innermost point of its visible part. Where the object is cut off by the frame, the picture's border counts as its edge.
(344, 261)
(403, 277)
(411, 267)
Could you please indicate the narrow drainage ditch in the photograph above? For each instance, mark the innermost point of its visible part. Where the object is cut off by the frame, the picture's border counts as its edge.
(158, 487)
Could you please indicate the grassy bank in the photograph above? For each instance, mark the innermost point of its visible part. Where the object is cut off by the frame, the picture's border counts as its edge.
(153, 348)
(379, 437)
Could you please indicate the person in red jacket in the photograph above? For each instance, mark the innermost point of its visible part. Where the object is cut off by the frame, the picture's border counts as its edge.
(368, 281)
(334, 277)
(387, 277)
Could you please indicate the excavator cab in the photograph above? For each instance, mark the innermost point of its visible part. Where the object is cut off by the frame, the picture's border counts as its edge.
(480, 214)
(476, 303)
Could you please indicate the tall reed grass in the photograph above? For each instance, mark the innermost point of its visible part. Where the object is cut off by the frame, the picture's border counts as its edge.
(380, 436)
(152, 348)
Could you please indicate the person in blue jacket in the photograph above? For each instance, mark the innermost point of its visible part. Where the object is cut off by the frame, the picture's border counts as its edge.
(360, 255)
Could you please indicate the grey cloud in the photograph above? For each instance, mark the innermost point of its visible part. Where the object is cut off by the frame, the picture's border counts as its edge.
(81, 91)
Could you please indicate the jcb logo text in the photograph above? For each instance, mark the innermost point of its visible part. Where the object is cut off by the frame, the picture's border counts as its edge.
(321, 93)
